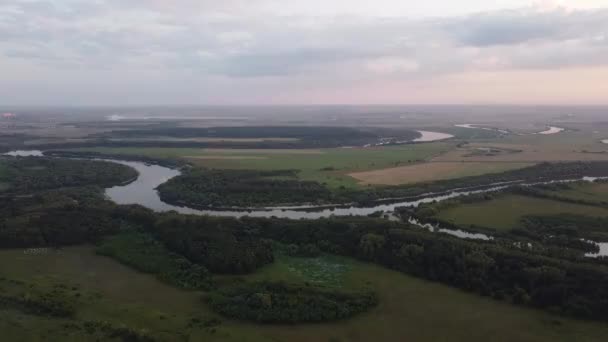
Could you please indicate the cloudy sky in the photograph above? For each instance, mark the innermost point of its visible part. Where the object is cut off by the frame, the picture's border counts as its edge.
(133, 52)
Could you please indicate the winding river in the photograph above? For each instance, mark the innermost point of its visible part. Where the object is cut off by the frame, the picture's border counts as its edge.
(143, 192)
(548, 131)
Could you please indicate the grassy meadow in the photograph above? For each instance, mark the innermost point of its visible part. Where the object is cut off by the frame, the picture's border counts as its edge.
(330, 166)
(506, 211)
(410, 309)
(595, 192)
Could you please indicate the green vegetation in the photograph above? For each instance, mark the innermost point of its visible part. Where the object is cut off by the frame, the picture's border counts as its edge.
(204, 188)
(284, 303)
(240, 188)
(124, 299)
(325, 269)
(592, 193)
(33, 299)
(505, 212)
(55, 218)
(287, 271)
(263, 137)
(567, 225)
(326, 166)
(144, 253)
(217, 243)
(35, 174)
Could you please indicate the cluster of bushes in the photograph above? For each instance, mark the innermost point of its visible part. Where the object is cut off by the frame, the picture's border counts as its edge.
(144, 253)
(35, 300)
(241, 188)
(282, 303)
(122, 332)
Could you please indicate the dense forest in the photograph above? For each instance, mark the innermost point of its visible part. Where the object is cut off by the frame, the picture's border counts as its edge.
(298, 137)
(146, 254)
(241, 188)
(28, 174)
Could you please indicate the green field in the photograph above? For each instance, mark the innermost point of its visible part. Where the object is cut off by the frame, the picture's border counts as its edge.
(505, 212)
(410, 309)
(323, 165)
(595, 192)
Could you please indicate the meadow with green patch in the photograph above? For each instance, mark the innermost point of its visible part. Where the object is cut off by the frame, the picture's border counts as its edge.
(111, 294)
(506, 211)
(329, 166)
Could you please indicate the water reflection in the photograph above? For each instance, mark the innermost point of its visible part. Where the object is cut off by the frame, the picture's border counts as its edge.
(19, 153)
(458, 233)
(552, 130)
(428, 136)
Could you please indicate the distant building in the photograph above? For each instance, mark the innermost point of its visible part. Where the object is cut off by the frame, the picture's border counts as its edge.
(9, 115)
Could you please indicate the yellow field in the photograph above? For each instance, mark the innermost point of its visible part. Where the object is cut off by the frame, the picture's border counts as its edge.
(431, 172)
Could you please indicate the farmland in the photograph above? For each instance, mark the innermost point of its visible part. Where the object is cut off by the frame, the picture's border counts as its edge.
(330, 166)
(118, 295)
(506, 211)
(425, 172)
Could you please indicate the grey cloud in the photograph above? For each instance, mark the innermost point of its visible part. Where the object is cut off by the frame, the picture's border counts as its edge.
(112, 33)
(522, 26)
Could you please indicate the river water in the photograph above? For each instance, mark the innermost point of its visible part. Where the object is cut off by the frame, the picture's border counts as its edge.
(475, 126)
(143, 192)
(432, 136)
(552, 130)
(549, 130)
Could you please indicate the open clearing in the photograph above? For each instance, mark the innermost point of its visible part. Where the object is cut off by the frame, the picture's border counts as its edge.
(432, 171)
(505, 212)
(410, 309)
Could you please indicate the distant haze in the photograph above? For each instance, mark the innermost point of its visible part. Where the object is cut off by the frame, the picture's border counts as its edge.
(239, 52)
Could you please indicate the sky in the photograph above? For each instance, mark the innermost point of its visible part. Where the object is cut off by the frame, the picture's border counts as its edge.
(294, 52)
